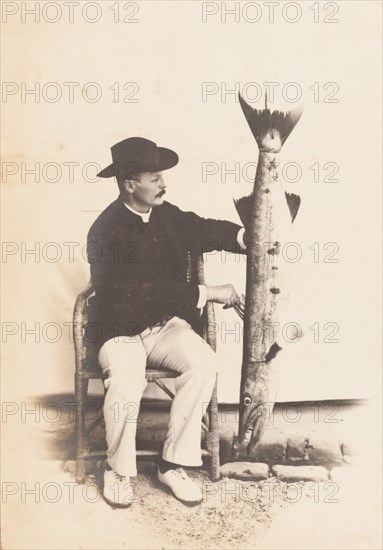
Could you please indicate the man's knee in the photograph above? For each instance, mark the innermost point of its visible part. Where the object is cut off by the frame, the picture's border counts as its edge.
(122, 353)
(204, 362)
(124, 361)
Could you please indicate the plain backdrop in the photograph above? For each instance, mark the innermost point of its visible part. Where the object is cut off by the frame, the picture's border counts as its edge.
(169, 54)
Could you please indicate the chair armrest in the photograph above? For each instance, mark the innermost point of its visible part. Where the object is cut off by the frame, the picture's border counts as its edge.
(79, 321)
(209, 332)
(80, 303)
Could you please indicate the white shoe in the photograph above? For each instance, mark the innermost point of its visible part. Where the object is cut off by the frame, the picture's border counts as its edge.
(118, 490)
(182, 486)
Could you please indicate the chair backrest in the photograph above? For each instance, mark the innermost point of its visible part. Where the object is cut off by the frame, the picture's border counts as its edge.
(85, 352)
(86, 358)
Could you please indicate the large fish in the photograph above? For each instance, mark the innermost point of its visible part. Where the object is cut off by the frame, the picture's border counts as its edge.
(264, 214)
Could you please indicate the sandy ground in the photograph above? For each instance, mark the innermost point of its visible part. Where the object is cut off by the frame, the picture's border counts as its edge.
(43, 507)
(60, 514)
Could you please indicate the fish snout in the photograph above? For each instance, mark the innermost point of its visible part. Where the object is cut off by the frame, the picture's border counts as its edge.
(254, 417)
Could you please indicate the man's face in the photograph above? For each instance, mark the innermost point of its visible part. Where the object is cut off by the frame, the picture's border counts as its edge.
(147, 191)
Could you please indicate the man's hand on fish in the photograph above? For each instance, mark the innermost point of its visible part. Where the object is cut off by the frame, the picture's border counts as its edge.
(240, 308)
(223, 294)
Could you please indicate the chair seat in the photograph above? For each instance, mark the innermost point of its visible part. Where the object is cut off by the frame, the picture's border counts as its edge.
(152, 374)
(93, 370)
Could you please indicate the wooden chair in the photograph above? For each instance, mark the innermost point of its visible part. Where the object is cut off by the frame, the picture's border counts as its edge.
(87, 367)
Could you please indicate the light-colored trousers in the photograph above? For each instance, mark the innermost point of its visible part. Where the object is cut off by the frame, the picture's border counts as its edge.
(174, 345)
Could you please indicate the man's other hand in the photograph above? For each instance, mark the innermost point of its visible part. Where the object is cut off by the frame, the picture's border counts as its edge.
(223, 294)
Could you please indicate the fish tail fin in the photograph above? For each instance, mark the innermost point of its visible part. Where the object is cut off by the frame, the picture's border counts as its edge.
(270, 128)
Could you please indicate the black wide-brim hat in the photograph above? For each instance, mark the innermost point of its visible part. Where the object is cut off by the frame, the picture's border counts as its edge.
(135, 155)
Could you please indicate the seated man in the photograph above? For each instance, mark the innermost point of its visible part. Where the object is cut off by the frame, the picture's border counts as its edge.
(146, 308)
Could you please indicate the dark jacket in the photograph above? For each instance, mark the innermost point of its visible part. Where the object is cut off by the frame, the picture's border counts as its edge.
(139, 269)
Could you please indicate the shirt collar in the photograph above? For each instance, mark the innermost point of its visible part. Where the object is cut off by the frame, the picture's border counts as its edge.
(143, 215)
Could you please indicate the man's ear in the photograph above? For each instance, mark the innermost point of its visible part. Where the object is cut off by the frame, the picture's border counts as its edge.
(129, 185)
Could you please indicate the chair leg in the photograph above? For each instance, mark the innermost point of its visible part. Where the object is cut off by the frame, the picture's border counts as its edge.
(213, 437)
(81, 391)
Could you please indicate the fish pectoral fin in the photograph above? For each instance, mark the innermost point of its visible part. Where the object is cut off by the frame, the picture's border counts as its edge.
(244, 208)
(293, 202)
